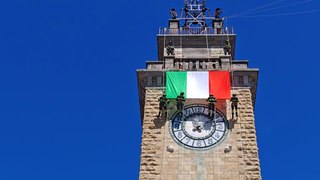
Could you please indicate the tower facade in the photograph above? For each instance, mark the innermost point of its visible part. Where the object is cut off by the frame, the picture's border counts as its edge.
(198, 142)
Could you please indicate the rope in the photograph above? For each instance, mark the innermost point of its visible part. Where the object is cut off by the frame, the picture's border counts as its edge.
(282, 14)
(260, 7)
(163, 91)
(288, 5)
(231, 60)
(213, 154)
(217, 161)
(180, 62)
(164, 43)
(164, 150)
(217, 149)
(163, 75)
(243, 154)
(207, 41)
(179, 68)
(163, 83)
(232, 81)
(253, 12)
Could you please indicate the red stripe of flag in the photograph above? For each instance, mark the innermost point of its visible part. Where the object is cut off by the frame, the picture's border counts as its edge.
(219, 84)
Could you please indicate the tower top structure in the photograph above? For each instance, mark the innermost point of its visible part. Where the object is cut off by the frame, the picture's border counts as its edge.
(196, 27)
(195, 14)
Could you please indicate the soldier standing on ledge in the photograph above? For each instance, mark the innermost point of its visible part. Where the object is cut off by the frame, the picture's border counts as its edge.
(227, 47)
(217, 13)
(173, 13)
(170, 49)
(212, 104)
(163, 102)
(180, 102)
(195, 1)
(234, 105)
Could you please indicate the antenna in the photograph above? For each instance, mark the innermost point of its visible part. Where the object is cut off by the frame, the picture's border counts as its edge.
(196, 18)
(195, 14)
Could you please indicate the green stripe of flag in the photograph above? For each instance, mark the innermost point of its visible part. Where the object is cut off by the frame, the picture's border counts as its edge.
(176, 82)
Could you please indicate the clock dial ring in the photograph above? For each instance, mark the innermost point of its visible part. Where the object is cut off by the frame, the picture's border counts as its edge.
(196, 129)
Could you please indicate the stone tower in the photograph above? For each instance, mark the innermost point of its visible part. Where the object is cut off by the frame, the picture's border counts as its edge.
(174, 147)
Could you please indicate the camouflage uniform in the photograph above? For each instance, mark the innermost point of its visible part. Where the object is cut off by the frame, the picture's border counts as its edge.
(163, 104)
(234, 105)
(170, 49)
(180, 101)
(173, 13)
(212, 104)
(217, 13)
(227, 48)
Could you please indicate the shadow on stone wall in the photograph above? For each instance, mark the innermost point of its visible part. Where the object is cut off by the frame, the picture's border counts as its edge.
(232, 122)
(159, 122)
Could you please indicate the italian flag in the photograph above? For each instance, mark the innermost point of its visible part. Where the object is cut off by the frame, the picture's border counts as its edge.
(198, 84)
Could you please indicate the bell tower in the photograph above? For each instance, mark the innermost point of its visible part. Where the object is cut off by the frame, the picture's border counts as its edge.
(196, 56)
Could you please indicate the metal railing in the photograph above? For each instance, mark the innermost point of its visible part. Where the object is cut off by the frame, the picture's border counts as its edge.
(195, 31)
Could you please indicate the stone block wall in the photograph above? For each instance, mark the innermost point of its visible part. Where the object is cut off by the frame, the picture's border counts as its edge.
(157, 163)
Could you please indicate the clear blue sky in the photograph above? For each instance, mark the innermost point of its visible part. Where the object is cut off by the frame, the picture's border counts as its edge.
(68, 88)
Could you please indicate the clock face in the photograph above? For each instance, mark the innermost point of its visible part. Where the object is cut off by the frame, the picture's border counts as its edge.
(195, 129)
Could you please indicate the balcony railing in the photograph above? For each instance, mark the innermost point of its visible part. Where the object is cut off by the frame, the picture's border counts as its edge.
(195, 31)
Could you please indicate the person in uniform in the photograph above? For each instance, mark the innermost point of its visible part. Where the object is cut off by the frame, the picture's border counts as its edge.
(217, 13)
(195, 1)
(227, 48)
(212, 104)
(170, 49)
(234, 105)
(173, 13)
(180, 102)
(163, 102)
(204, 9)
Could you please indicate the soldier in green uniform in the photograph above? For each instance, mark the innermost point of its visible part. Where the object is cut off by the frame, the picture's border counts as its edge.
(234, 105)
(227, 48)
(170, 49)
(217, 13)
(180, 102)
(163, 102)
(173, 13)
(212, 104)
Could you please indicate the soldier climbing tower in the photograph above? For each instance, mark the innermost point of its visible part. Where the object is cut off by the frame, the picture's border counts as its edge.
(196, 55)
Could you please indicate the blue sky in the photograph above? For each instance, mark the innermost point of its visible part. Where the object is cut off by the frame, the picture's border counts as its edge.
(68, 90)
